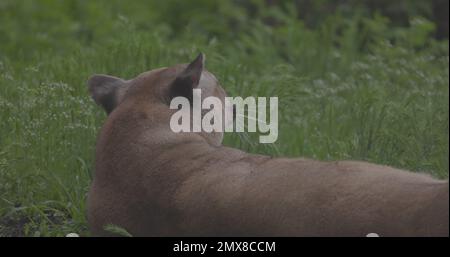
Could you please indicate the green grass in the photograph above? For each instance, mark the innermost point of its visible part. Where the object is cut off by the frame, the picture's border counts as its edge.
(352, 88)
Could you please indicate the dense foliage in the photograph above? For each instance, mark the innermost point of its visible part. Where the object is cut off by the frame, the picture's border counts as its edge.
(355, 81)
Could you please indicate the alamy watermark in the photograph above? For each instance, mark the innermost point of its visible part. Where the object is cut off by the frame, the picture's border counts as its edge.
(212, 115)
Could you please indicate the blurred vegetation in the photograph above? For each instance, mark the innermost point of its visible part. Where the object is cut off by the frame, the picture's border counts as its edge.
(364, 80)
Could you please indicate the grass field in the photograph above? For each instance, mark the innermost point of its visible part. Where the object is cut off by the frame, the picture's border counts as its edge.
(350, 88)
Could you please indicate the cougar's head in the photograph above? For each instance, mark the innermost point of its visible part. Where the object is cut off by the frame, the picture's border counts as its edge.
(159, 87)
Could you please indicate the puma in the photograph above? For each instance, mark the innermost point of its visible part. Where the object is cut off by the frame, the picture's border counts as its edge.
(155, 182)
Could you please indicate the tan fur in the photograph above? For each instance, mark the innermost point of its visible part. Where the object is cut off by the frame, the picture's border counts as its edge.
(153, 182)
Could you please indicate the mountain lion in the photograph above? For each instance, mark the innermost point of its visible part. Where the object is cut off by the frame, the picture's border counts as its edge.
(155, 182)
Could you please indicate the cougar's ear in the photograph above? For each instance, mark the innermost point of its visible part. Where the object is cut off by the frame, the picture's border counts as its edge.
(105, 89)
(188, 78)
